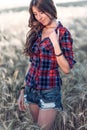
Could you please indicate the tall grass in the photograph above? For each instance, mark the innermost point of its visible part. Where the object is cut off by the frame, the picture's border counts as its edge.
(13, 66)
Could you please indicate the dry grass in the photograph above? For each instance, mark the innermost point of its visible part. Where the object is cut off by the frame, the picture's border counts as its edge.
(12, 70)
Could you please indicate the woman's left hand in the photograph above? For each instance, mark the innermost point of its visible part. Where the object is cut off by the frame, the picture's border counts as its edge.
(54, 37)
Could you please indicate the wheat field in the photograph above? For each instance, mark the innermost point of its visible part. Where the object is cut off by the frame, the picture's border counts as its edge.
(13, 64)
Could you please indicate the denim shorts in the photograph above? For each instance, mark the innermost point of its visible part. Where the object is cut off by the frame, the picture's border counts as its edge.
(45, 99)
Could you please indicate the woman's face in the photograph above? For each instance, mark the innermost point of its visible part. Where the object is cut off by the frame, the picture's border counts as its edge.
(41, 16)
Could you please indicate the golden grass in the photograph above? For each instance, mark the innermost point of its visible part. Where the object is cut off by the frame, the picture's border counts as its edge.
(12, 71)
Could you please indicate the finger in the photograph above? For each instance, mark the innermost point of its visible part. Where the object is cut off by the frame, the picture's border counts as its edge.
(19, 105)
(23, 107)
(58, 33)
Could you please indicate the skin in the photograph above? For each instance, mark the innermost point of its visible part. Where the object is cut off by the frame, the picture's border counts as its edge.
(45, 117)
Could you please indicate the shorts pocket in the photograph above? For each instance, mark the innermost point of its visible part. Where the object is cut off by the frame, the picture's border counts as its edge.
(50, 95)
(31, 95)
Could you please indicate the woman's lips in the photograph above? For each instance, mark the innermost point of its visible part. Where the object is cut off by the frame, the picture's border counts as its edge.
(43, 21)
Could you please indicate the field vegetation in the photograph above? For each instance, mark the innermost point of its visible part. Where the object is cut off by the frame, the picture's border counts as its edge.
(13, 64)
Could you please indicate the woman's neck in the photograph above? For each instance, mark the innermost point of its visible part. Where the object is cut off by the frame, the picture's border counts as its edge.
(53, 24)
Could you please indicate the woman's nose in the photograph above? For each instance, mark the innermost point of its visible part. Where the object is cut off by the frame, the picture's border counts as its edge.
(39, 17)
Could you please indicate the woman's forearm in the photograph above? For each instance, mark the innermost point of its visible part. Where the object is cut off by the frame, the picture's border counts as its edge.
(62, 62)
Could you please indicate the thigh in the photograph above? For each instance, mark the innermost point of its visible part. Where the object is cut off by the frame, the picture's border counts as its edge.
(34, 110)
(46, 118)
(33, 107)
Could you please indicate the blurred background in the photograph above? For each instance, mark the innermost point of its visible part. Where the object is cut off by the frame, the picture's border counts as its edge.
(18, 3)
(13, 29)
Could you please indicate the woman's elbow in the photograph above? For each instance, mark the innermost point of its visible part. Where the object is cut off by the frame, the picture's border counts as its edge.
(66, 70)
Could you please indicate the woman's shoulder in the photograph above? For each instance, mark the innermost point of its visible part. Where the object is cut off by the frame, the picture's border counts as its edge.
(63, 29)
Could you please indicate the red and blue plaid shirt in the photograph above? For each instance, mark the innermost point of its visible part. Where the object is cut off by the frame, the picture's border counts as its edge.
(43, 72)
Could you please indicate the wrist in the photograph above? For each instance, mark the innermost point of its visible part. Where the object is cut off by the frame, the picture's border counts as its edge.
(59, 54)
(23, 86)
(22, 89)
(22, 92)
(58, 51)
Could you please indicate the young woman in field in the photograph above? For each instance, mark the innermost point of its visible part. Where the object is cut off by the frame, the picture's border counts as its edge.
(49, 46)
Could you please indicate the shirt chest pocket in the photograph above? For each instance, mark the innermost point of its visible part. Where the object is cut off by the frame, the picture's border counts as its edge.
(46, 48)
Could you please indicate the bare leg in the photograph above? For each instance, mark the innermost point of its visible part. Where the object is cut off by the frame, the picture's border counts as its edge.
(34, 109)
(46, 118)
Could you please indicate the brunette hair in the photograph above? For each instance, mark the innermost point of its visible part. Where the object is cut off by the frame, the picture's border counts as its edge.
(46, 6)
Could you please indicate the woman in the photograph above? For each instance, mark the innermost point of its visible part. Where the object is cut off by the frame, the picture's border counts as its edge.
(49, 46)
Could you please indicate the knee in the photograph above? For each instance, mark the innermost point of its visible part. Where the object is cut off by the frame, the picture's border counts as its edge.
(44, 125)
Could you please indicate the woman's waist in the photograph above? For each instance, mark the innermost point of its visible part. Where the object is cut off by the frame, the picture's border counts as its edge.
(48, 71)
(44, 89)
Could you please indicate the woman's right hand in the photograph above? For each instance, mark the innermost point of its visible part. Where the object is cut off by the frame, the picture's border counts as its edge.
(21, 104)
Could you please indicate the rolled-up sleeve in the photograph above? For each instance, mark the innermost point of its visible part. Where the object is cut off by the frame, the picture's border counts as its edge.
(30, 59)
(66, 44)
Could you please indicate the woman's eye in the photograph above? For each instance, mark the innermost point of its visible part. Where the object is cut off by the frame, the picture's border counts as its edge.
(41, 12)
(35, 14)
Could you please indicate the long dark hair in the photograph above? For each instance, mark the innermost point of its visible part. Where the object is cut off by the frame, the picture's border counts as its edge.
(46, 6)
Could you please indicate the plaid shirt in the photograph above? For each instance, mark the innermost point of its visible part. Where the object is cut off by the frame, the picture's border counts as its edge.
(43, 72)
